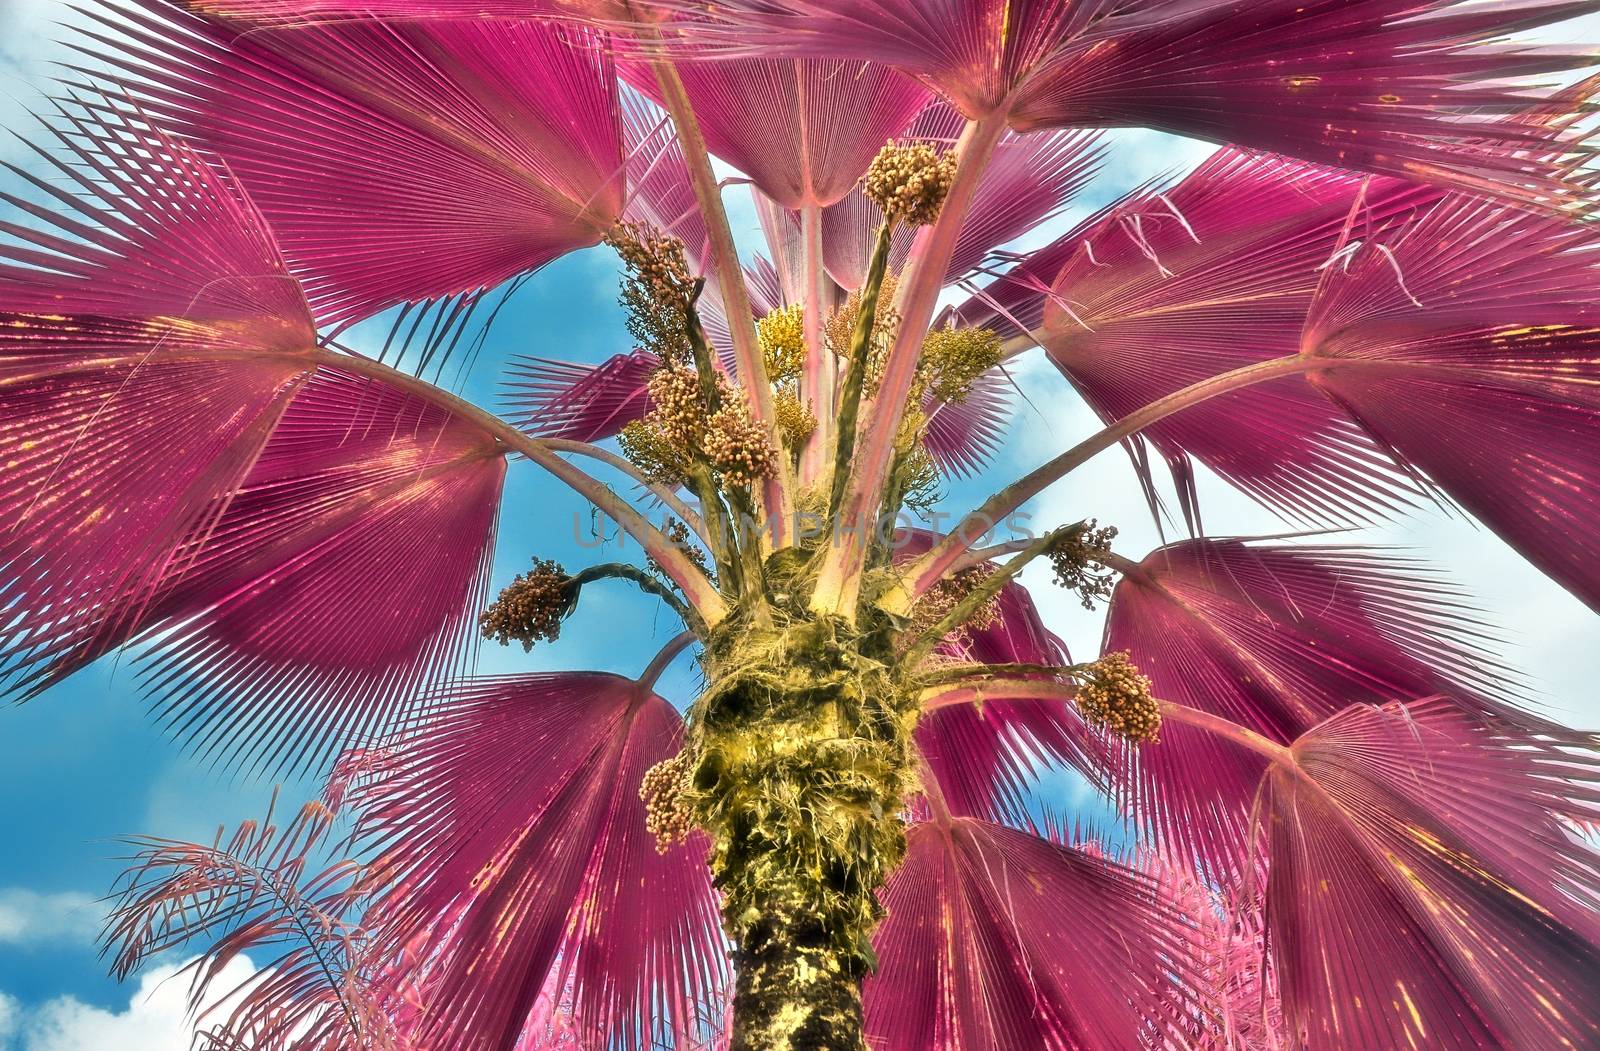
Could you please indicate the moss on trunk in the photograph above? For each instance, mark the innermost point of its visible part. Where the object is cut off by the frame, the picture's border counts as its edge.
(803, 762)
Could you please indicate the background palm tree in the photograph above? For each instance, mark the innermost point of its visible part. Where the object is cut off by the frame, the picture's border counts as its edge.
(1353, 834)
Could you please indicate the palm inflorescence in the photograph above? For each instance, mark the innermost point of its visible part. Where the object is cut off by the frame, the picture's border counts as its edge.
(1344, 830)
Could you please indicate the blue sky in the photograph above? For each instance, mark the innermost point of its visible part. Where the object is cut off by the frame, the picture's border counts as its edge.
(82, 764)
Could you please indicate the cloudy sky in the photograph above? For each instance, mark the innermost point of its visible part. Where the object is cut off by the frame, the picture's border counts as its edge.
(82, 765)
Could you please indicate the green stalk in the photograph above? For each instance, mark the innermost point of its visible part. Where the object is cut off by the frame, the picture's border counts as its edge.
(856, 372)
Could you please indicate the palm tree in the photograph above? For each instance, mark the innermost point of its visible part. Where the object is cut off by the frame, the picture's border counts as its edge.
(1348, 832)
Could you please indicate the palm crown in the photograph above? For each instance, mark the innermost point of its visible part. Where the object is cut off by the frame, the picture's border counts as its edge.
(1379, 293)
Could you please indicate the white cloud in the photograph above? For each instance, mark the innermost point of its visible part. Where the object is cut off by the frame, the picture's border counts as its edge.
(156, 1019)
(28, 917)
(10, 1010)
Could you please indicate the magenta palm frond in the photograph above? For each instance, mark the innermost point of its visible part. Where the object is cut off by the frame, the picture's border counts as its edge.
(1480, 373)
(986, 756)
(999, 939)
(558, 399)
(1162, 290)
(396, 162)
(1277, 639)
(1417, 894)
(150, 338)
(262, 891)
(513, 818)
(822, 121)
(345, 574)
(1396, 86)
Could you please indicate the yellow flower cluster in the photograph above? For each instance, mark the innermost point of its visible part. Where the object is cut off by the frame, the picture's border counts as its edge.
(783, 342)
(1112, 693)
(909, 182)
(795, 421)
(956, 357)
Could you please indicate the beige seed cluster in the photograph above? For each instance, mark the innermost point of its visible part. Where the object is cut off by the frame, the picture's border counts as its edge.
(657, 288)
(942, 599)
(680, 414)
(1077, 559)
(909, 182)
(530, 608)
(783, 342)
(1112, 693)
(657, 459)
(737, 446)
(664, 789)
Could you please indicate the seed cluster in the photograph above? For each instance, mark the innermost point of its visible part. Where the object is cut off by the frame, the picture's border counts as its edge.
(737, 446)
(1112, 693)
(664, 789)
(909, 181)
(531, 607)
(657, 289)
(783, 342)
(1077, 558)
(680, 412)
(942, 599)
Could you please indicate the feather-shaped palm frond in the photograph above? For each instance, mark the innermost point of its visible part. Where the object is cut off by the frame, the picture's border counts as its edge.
(150, 338)
(1419, 895)
(265, 890)
(1277, 639)
(1417, 89)
(998, 939)
(345, 575)
(514, 825)
(397, 162)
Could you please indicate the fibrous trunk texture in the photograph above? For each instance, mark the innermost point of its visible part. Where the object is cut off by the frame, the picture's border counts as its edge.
(803, 743)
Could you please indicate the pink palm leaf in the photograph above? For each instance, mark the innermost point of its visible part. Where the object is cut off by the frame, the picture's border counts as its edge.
(1160, 291)
(821, 123)
(1396, 86)
(150, 339)
(345, 575)
(396, 162)
(513, 819)
(985, 756)
(1483, 378)
(1418, 894)
(1277, 639)
(998, 939)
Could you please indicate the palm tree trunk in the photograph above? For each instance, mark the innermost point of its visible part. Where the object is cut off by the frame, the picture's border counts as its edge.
(792, 989)
(803, 766)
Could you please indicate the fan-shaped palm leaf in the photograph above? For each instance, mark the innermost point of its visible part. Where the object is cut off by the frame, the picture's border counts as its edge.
(1277, 639)
(997, 939)
(345, 574)
(1418, 896)
(150, 338)
(395, 161)
(518, 805)
(1397, 86)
